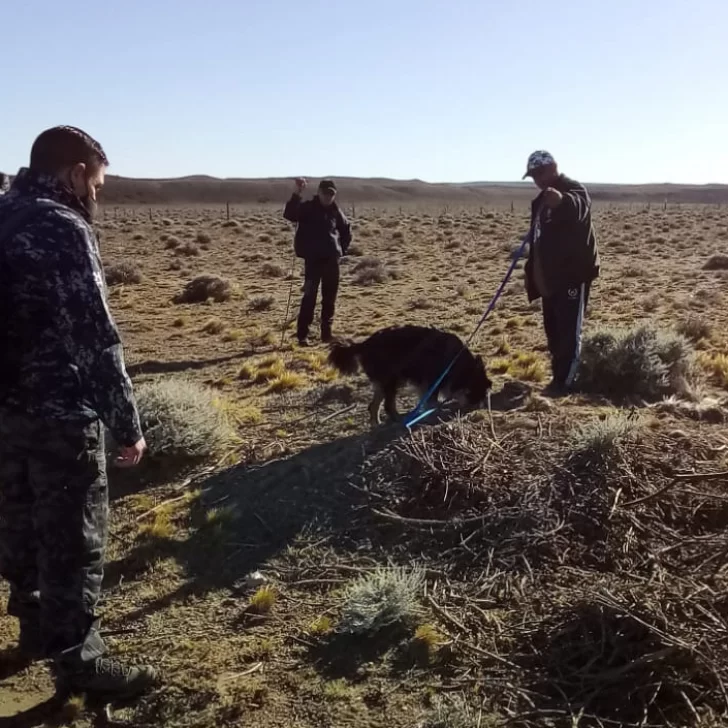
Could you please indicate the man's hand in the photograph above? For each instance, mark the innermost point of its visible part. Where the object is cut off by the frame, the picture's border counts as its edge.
(300, 185)
(131, 456)
(552, 198)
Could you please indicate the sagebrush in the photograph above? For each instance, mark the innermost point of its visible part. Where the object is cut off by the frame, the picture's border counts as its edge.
(643, 362)
(206, 287)
(183, 419)
(124, 273)
(384, 598)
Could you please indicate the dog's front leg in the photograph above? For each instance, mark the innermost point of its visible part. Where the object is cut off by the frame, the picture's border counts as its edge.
(390, 402)
(375, 405)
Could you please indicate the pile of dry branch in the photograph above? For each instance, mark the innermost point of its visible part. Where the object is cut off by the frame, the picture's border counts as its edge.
(583, 578)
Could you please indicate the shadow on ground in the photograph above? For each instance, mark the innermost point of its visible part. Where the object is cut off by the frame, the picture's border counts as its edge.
(249, 514)
(155, 366)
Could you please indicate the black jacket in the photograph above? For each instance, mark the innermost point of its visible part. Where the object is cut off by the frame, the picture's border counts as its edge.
(61, 355)
(566, 248)
(322, 232)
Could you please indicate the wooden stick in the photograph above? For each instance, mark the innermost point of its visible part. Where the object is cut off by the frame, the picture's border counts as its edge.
(426, 522)
(440, 611)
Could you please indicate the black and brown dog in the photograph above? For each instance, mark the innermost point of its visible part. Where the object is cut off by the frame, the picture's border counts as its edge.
(415, 355)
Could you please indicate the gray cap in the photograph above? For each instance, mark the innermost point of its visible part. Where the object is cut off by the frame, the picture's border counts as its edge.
(538, 159)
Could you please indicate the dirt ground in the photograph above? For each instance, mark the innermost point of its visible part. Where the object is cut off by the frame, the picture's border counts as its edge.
(175, 588)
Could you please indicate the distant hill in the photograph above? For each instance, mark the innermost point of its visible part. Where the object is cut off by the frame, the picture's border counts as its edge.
(202, 189)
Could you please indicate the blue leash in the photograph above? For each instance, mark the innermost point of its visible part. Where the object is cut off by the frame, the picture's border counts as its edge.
(417, 414)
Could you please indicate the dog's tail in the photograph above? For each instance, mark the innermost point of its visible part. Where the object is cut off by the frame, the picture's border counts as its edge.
(344, 357)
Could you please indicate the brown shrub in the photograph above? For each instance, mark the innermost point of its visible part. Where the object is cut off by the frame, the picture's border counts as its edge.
(205, 287)
(124, 273)
(271, 270)
(188, 249)
(718, 261)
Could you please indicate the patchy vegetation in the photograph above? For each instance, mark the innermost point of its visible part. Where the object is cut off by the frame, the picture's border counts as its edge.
(550, 562)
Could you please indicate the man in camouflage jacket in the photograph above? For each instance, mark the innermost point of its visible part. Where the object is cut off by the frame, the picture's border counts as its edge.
(62, 379)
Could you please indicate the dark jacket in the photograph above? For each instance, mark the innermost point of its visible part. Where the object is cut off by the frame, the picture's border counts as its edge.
(60, 352)
(322, 232)
(562, 242)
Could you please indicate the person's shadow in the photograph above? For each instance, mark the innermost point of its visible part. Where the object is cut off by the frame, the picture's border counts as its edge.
(249, 514)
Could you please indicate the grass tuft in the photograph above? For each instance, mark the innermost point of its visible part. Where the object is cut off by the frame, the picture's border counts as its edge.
(124, 273)
(384, 598)
(263, 600)
(204, 288)
(183, 419)
(600, 439)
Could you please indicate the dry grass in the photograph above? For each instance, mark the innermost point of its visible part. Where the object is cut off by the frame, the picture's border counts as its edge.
(261, 303)
(718, 261)
(369, 271)
(569, 576)
(188, 249)
(695, 328)
(183, 420)
(124, 273)
(642, 361)
(204, 288)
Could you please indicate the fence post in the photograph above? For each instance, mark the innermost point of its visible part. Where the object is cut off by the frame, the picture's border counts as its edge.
(227, 208)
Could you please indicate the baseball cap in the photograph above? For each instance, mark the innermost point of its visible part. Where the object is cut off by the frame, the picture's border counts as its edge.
(538, 159)
(327, 185)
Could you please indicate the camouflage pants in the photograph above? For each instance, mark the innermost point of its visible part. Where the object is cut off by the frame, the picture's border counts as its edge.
(53, 529)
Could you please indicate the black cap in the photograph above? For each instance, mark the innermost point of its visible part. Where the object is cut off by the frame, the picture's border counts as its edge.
(327, 185)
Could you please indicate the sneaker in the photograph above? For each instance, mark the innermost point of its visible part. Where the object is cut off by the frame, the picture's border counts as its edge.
(327, 337)
(302, 341)
(108, 678)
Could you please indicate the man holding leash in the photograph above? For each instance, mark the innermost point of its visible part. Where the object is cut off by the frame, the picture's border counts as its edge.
(323, 235)
(563, 262)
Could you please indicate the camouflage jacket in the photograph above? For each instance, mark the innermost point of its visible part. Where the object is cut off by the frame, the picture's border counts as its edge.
(60, 351)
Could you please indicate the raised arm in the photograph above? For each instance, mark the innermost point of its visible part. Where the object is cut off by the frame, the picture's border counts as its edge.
(292, 210)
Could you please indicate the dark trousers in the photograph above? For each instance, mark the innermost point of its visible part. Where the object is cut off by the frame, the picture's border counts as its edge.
(563, 317)
(324, 273)
(53, 531)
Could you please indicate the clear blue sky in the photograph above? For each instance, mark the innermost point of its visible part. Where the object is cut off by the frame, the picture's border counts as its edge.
(446, 90)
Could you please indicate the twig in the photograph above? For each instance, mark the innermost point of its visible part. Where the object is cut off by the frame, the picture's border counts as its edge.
(656, 494)
(340, 412)
(440, 611)
(702, 476)
(427, 522)
(486, 653)
(249, 671)
(161, 505)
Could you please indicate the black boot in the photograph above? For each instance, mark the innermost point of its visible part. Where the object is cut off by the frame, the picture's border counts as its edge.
(105, 677)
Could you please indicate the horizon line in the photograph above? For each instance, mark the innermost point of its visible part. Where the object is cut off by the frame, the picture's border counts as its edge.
(472, 183)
